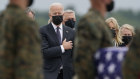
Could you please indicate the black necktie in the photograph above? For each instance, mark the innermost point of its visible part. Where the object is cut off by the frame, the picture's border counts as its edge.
(58, 34)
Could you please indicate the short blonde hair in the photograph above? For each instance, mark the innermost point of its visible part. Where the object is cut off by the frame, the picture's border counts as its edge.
(129, 27)
(118, 38)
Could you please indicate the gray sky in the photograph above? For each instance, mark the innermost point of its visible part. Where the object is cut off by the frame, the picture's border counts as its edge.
(80, 5)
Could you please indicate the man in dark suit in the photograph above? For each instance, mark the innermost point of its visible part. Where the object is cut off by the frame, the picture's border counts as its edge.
(57, 46)
(69, 19)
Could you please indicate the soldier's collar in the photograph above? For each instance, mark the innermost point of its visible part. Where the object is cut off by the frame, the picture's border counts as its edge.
(95, 11)
(12, 6)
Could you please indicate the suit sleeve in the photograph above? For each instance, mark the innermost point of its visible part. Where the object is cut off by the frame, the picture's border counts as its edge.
(73, 43)
(49, 52)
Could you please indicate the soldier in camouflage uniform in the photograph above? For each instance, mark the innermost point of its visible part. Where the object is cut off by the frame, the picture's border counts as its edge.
(92, 34)
(20, 56)
(131, 65)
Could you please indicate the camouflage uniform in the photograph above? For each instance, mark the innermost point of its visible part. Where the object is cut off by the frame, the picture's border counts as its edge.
(20, 56)
(92, 34)
(131, 66)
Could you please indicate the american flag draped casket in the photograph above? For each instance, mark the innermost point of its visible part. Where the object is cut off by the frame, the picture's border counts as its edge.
(108, 62)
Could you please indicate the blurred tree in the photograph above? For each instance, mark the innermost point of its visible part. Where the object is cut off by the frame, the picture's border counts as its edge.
(126, 17)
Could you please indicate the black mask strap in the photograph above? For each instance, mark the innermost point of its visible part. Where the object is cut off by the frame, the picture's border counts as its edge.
(110, 6)
(30, 3)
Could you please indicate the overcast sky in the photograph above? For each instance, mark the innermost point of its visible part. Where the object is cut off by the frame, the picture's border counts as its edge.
(80, 5)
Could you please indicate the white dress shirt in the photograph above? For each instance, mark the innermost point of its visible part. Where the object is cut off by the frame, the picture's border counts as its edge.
(61, 34)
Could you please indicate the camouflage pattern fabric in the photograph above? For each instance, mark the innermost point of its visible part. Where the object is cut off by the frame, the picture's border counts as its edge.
(131, 65)
(92, 34)
(20, 56)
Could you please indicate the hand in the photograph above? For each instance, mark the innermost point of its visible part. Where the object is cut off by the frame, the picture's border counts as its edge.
(67, 45)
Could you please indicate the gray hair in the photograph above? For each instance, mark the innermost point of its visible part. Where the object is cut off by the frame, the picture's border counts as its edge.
(54, 4)
(69, 11)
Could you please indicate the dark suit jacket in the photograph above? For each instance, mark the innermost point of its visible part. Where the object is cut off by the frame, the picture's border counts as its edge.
(52, 53)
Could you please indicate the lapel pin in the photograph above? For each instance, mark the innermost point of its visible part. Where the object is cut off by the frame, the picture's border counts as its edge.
(67, 31)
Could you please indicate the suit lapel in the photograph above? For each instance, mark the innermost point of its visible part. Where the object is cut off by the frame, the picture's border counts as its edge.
(53, 33)
(65, 33)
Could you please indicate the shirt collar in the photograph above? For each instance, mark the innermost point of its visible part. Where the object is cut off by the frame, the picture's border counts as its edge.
(55, 27)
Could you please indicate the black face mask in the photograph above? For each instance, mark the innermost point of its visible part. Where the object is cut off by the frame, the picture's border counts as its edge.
(126, 40)
(30, 3)
(110, 6)
(70, 23)
(57, 19)
(113, 33)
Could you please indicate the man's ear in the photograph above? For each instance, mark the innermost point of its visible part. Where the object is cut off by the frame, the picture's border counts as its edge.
(63, 16)
(50, 16)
